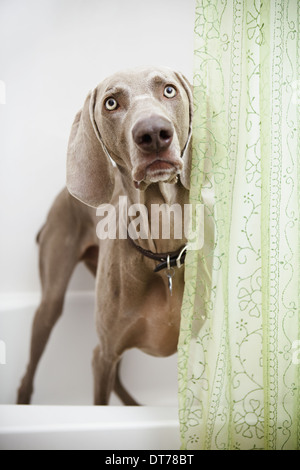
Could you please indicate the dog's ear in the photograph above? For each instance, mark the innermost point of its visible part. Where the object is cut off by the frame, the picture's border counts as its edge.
(89, 169)
(185, 174)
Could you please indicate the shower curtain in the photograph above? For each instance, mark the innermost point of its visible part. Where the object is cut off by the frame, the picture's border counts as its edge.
(239, 346)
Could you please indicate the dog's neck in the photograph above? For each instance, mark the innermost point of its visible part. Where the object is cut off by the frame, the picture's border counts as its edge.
(152, 198)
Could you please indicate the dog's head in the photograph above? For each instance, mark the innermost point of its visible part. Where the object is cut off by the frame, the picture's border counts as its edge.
(141, 119)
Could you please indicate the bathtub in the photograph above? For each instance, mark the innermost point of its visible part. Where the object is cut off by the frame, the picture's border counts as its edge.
(62, 415)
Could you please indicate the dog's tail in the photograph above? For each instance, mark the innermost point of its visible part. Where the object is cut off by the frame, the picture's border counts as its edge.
(121, 392)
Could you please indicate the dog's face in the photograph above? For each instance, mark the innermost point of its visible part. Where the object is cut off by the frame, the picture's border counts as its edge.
(142, 119)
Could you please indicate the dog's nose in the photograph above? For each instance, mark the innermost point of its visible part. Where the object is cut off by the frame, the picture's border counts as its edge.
(153, 134)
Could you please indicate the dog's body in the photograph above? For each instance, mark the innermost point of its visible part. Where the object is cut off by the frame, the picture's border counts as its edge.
(142, 119)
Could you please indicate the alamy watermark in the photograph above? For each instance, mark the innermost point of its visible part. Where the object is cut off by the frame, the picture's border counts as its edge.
(162, 221)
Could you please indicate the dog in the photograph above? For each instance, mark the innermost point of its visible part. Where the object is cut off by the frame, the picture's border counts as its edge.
(131, 139)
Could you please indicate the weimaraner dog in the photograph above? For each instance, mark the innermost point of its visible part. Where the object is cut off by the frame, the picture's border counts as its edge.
(141, 120)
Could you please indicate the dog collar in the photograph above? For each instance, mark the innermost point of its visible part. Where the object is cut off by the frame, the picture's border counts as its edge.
(167, 260)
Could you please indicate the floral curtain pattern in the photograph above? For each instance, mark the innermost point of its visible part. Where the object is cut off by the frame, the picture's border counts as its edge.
(239, 348)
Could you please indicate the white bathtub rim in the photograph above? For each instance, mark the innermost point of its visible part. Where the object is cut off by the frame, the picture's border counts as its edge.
(44, 418)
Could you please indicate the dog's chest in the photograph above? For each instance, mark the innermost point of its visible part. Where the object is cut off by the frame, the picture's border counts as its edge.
(161, 312)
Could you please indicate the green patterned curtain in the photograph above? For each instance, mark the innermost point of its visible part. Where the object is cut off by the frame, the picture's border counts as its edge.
(239, 347)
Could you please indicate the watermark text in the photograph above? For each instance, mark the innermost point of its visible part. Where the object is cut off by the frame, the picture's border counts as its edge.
(158, 221)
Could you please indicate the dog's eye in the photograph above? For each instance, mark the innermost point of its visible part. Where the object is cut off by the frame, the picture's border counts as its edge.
(170, 91)
(111, 104)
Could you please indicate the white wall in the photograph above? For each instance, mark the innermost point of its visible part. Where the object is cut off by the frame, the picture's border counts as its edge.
(52, 52)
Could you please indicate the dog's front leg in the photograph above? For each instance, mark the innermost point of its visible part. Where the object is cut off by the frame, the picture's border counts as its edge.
(104, 368)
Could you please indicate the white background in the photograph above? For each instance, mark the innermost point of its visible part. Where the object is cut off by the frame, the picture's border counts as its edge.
(52, 52)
